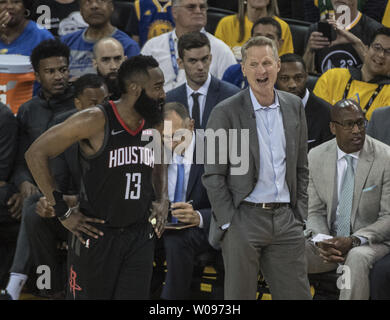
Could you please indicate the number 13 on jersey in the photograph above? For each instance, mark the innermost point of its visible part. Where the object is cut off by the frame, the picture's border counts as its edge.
(133, 186)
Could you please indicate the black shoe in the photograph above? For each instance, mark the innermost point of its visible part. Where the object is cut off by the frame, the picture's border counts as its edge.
(4, 295)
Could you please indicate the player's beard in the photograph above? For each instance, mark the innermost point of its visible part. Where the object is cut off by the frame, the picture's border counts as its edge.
(150, 109)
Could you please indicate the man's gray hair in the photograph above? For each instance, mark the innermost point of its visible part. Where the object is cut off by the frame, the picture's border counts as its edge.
(259, 41)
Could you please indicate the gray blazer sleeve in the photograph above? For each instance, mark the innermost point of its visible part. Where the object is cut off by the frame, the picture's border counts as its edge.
(216, 174)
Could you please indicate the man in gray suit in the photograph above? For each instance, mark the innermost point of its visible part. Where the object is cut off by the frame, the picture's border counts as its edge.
(349, 199)
(258, 214)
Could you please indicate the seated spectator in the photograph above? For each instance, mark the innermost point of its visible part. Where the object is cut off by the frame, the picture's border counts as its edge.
(349, 200)
(10, 199)
(98, 16)
(18, 34)
(347, 46)
(378, 128)
(108, 56)
(60, 17)
(235, 30)
(50, 60)
(182, 246)
(292, 78)
(153, 18)
(371, 82)
(189, 17)
(267, 27)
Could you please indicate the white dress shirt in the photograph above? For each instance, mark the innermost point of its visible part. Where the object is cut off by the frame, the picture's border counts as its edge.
(201, 99)
(271, 184)
(305, 98)
(341, 169)
(187, 160)
(158, 47)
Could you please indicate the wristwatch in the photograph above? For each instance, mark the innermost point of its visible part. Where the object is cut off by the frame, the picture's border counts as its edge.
(355, 241)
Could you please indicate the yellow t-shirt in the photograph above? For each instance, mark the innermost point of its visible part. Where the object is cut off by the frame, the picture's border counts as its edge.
(228, 31)
(331, 86)
(386, 16)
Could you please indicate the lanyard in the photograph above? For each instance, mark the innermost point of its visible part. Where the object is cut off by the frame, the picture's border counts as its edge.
(373, 96)
(173, 56)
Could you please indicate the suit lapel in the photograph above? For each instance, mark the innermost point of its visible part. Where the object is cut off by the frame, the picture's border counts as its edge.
(248, 120)
(290, 135)
(182, 95)
(211, 100)
(366, 159)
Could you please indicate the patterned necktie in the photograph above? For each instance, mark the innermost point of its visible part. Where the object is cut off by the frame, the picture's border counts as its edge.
(196, 110)
(179, 189)
(345, 201)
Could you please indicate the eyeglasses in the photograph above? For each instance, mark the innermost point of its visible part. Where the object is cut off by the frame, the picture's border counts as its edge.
(379, 49)
(192, 7)
(349, 124)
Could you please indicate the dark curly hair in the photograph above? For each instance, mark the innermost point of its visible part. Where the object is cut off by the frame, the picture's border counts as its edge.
(47, 49)
(134, 68)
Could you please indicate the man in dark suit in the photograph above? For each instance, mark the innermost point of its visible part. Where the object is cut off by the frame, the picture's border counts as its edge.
(292, 78)
(202, 91)
(259, 201)
(379, 128)
(182, 246)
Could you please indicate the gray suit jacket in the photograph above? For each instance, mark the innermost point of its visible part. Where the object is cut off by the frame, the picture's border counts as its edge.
(379, 125)
(226, 191)
(370, 215)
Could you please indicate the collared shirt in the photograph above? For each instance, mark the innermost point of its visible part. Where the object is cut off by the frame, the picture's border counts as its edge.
(202, 97)
(158, 47)
(341, 169)
(305, 98)
(271, 185)
(187, 160)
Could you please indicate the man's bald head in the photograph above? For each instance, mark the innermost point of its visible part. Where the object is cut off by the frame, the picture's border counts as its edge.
(348, 124)
(341, 106)
(108, 56)
(107, 43)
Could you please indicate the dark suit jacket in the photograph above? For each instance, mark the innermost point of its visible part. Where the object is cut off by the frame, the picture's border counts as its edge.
(197, 192)
(228, 183)
(317, 117)
(378, 126)
(218, 90)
